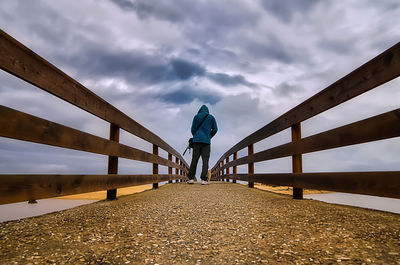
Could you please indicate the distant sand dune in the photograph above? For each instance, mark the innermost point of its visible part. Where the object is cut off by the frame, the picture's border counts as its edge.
(286, 190)
(101, 195)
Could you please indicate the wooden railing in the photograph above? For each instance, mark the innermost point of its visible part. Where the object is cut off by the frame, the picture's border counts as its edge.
(372, 74)
(23, 63)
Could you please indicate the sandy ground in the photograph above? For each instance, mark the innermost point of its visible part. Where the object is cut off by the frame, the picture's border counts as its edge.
(101, 195)
(221, 223)
(286, 190)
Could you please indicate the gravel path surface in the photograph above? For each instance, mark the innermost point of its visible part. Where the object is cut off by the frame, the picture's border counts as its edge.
(222, 223)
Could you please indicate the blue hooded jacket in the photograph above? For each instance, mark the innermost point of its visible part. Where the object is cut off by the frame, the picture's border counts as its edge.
(207, 130)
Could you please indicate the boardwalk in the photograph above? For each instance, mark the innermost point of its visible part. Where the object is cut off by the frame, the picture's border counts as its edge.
(223, 223)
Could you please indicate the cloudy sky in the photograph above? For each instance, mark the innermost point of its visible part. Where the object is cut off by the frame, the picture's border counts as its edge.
(159, 61)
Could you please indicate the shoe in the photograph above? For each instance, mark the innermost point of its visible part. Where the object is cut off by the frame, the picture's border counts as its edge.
(203, 182)
(191, 181)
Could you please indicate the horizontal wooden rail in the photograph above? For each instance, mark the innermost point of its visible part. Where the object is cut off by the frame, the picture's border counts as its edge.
(18, 60)
(377, 71)
(379, 127)
(18, 125)
(17, 188)
(384, 183)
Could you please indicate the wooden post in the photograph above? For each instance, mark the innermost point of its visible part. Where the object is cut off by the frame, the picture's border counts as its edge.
(181, 163)
(227, 169)
(234, 167)
(180, 170)
(223, 171)
(169, 168)
(219, 170)
(297, 164)
(113, 160)
(176, 170)
(155, 166)
(251, 165)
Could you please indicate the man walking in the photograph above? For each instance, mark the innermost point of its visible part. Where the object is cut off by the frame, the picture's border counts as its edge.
(204, 127)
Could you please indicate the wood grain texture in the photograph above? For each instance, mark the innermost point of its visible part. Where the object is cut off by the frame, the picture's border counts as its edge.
(384, 183)
(113, 160)
(383, 126)
(155, 166)
(21, 126)
(17, 188)
(297, 160)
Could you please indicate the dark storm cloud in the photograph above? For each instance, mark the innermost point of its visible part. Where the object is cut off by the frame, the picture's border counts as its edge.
(186, 95)
(137, 66)
(272, 48)
(221, 58)
(195, 52)
(210, 25)
(337, 46)
(124, 4)
(229, 80)
(284, 89)
(145, 9)
(199, 20)
(185, 70)
(285, 9)
(141, 67)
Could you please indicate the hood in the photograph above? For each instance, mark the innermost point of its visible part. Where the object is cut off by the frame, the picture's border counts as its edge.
(203, 109)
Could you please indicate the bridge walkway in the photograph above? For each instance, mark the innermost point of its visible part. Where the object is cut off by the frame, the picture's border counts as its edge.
(221, 223)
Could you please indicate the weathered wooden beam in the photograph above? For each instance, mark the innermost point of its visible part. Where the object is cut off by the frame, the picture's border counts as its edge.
(113, 160)
(21, 126)
(383, 126)
(377, 183)
(297, 160)
(250, 166)
(170, 168)
(375, 72)
(16, 188)
(176, 169)
(155, 166)
(227, 169)
(18, 60)
(234, 167)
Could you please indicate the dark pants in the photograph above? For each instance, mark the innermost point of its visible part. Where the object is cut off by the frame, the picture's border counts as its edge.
(203, 150)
